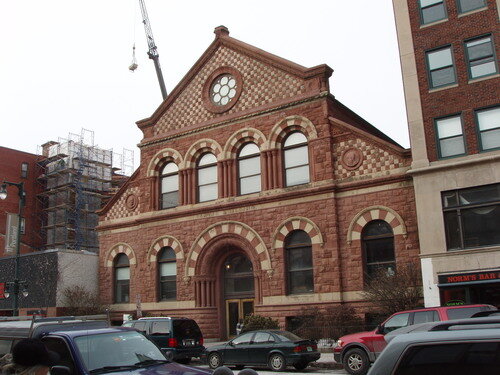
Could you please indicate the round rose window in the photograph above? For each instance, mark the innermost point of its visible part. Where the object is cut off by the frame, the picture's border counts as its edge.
(223, 89)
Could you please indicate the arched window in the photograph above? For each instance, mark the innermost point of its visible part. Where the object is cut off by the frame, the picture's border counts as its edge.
(169, 177)
(167, 273)
(249, 169)
(122, 278)
(207, 178)
(299, 263)
(378, 247)
(296, 157)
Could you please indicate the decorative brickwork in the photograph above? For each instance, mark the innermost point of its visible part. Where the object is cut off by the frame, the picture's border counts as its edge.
(375, 213)
(296, 223)
(241, 137)
(288, 125)
(119, 248)
(263, 84)
(120, 209)
(165, 241)
(162, 157)
(200, 147)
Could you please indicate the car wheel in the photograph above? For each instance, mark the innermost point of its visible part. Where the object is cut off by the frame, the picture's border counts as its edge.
(277, 362)
(356, 362)
(214, 360)
(300, 365)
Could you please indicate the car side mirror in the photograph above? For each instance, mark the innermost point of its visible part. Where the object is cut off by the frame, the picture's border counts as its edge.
(60, 370)
(380, 329)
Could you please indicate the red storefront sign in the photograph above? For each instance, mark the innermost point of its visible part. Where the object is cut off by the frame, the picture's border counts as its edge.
(469, 277)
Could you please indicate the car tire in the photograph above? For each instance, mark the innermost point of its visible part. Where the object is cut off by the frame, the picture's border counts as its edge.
(214, 360)
(277, 362)
(301, 365)
(356, 362)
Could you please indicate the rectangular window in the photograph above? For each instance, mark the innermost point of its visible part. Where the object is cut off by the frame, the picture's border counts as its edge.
(488, 122)
(441, 67)
(481, 58)
(432, 11)
(465, 6)
(472, 217)
(450, 136)
(24, 170)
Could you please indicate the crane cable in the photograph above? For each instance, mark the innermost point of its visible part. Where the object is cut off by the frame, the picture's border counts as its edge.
(133, 65)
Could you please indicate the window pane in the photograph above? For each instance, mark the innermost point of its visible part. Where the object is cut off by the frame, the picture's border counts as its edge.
(452, 230)
(123, 273)
(249, 149)
(449, 127)
(489, 118)
(169, 168)
(295, 139)
(481, 226)
(160, 327)
(483, 69)
(250, 185)
(207, 193)
(481, 194)
(170, 200)
(170, 183)
(297, 238)
(443, 77)
(452, 146)
(397, 321)
(377, 228)
(297, 176)
(168, 269)
(296, 156)
(122, 291)
(379, 250)
(249, 167)
(425, 316)
(238, 285)
(468, 5)
(433, 13)
(207, 159)
(207, 175)
(490, 139)
(301, 282)
(439, 59)
(299, 259)
(168, 290)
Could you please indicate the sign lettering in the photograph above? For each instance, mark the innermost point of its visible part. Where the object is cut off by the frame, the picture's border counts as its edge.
(469, 277)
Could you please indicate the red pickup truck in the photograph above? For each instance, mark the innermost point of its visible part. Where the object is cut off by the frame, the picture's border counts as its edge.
(358, 350)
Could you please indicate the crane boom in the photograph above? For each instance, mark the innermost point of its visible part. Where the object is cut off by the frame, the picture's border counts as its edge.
(152, 49)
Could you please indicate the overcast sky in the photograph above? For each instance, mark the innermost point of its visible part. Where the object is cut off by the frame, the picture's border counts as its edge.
(64, 63)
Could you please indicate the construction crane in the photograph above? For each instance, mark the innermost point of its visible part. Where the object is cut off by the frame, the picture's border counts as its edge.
(152, 49)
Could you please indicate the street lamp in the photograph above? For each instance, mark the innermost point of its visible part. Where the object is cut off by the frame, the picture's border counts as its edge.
(14, 286)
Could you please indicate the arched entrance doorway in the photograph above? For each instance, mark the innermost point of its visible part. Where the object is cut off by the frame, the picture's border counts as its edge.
(239, 290)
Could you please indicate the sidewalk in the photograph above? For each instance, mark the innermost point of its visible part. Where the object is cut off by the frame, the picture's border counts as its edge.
(325, 361)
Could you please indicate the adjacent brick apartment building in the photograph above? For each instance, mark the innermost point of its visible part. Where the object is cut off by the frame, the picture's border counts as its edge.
(257, 192)
(449, 55)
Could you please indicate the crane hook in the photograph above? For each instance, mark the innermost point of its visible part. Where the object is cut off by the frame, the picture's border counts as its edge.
(133, 66)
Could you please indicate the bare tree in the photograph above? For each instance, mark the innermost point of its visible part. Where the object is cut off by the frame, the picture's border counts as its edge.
(79, 301)
(396, 291)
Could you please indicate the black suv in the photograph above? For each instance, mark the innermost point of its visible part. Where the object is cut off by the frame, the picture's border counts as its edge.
(179, 339)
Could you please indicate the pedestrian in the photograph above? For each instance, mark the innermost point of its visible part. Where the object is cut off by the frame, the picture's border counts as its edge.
(239, 326)
(29, 357)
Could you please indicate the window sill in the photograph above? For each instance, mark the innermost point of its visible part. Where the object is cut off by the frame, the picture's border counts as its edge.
(433, 23)
(472, 12)
(453, 85)
(485, 78)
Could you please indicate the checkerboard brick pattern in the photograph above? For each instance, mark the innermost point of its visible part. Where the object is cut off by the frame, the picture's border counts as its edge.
(120, 210)
(375, 159)
(262, 84)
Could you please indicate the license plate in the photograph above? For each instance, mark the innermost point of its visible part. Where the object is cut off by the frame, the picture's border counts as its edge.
(188, 342)
(309, 349)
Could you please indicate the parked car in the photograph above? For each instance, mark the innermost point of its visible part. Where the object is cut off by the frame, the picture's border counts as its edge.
(357, 351)
(458, 347)
(273, 348)
(92, 347)
(179, 338)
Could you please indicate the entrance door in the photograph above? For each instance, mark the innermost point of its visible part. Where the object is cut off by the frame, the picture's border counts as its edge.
(236, 310)
(238, 290)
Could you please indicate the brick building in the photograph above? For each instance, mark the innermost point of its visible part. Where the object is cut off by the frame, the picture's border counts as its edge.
(257, 192)
(449, 55)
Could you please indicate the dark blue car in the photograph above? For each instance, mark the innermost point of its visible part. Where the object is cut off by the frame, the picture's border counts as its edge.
(274, 349)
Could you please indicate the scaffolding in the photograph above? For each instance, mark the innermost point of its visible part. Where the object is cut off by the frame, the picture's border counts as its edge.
(77, 178)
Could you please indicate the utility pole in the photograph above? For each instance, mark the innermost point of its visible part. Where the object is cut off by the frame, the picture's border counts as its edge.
(152, 50)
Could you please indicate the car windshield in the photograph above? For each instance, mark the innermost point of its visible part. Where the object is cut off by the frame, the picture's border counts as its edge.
(287, 336)
(110, 351)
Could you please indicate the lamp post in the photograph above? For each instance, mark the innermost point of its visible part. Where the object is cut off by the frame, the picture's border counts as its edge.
(14, 286)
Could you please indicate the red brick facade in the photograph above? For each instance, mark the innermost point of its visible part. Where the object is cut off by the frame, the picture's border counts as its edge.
(356, 173)
(10, 170)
